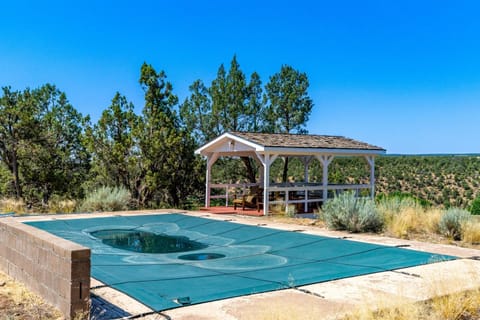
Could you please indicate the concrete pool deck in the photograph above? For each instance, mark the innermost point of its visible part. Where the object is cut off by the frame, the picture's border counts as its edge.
(328, 299)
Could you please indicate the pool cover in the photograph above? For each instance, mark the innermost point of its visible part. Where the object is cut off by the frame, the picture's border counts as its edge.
(243, 259)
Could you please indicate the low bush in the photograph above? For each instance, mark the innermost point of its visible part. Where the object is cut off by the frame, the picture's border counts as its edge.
(347, 212)
(451, 223)
(106, 199)
(475, 206)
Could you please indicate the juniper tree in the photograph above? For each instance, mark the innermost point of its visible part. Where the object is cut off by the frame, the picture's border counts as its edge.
(113, 147)
(289, 105)
(166, 149)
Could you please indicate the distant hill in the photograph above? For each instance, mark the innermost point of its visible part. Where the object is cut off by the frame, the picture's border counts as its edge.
(434, 155)
(443, 180)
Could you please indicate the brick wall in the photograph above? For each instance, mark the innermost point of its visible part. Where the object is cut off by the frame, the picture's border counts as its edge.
(55, 268)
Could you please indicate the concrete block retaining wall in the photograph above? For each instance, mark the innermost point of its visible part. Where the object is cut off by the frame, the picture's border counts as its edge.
(55, 268)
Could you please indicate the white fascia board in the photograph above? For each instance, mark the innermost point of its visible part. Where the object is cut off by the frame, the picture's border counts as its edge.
(315, 151)
(227, 136)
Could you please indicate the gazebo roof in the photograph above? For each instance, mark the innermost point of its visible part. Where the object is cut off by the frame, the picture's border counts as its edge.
(232, 143)
(304, 141)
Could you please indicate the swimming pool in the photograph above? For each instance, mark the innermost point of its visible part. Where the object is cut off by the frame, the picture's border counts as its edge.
(205, 259)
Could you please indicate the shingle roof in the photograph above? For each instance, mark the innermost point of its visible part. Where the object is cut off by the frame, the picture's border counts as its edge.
(304, 141)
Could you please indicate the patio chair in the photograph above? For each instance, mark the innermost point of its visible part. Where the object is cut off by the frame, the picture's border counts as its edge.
(252, 200)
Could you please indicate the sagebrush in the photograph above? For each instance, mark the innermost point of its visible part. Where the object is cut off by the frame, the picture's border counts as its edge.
(106, 199)
(451, 223)
(348, 212)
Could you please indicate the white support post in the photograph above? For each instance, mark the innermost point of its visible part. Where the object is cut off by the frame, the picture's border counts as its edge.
(266, 161)
(226, 196)
(211, 158)
(371, 162)
(266, 183)
(306, 163)
(260, 172)
(325, 160)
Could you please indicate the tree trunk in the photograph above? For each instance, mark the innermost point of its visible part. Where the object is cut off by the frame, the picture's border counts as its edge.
(16, 178)
(250, 170)
(285, 170)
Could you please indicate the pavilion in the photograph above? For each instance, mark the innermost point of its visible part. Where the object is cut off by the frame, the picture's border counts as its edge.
(265, 148)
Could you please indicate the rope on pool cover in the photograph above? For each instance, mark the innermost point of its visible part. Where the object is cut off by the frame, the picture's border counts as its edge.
(141, 315)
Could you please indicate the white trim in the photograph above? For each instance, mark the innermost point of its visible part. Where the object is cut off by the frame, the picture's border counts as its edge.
(315, 151)
(226, 136)
(287, 151)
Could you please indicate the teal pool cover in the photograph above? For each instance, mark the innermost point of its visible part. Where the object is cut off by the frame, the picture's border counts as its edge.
(209, 259)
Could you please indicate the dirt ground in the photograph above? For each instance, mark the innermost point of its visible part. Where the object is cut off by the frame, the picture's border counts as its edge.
(18, 303)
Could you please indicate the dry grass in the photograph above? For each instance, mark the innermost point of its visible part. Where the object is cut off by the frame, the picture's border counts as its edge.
(456, 305)
(17, 302)
(412, 220)
(432, 220)
(12, 205)
(471, 232)
(405, 310)
(446, 304)
(408, 220)
(62, 206)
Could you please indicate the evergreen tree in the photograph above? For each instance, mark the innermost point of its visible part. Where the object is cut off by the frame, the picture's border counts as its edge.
(196, 113)
(256, 107)
(56, 161)
(229, 104)
(14, 122)
(289, 105)
(113, 147)
(41, 143)
(166, 148)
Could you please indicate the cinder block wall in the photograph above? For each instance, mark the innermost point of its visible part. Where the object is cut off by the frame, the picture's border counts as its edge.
(55, 268)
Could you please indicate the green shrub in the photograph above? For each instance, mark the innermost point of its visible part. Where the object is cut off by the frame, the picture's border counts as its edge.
(392, 205)
(403, 196)
(475, 206)
(451, 223)
(347, 212)
(106, 199)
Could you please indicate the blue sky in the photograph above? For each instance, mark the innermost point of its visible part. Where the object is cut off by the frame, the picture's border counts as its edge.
(404, 75)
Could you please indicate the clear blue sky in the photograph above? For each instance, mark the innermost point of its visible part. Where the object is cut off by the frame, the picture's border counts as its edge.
(404, 75)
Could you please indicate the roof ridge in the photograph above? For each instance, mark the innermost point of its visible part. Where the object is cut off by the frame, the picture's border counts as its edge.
(291, 134)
